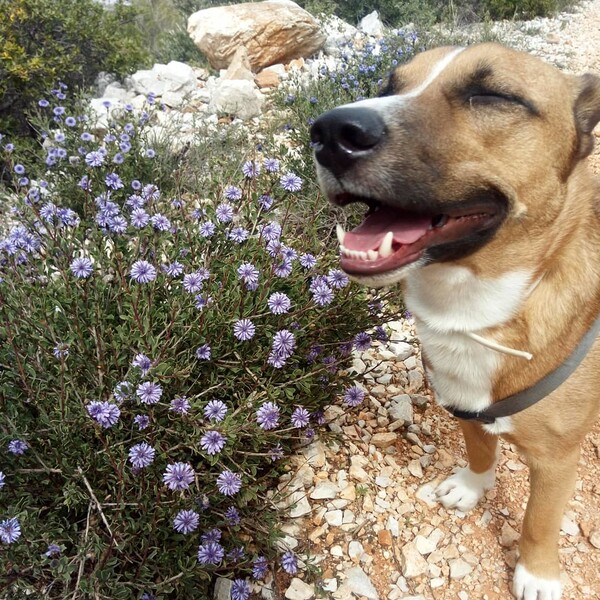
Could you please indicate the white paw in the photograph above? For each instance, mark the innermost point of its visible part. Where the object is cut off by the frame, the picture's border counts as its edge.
(529, 587)
(464, 489)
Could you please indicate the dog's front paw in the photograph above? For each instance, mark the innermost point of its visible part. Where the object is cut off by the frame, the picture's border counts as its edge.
(527, 586)
(464, 489)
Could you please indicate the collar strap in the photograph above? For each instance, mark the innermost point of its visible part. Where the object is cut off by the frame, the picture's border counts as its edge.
(545, 386)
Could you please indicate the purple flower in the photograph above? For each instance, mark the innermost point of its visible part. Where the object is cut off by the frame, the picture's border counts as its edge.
(215, 410)
(104, 413)
(142, 421)
(290, 182)
(113, 181)
(224, 212)
(240, 590)
(136, 184)
(174, 269)
(141, 455)
(362, 341)
(18, 447)
(300, 417)
(150, 192)
(149, 392)
(244, 330)
(203, 352)
(211, 553)
(322, 294)
(277, 360)
(86, 137)
(58, 111)
(267, 416)
(19, 169)
(276, 453)
(53, 550)
(193, 282)
(202, 301)
(178, 476)
(142, 271)
(337, 279)
(260, 566)
(135, 201)
(214, 535)
(43, 103)
(206, 229)
(2, 480)
(160, 222)
(81, 267)
(180, 405)
(142, 362)
(271, 231)
(235, 555)
(70, 122)
(213, 442)
(251, 169)
(289, 562)
(284, 342)
(150, 153)
(139, 218)
(233, 193)
(122, 390)
(186, 521)
(265, 201)
(308, 261)
(10, 530)
(271, 165)
(238, 235)
(248, 273)
(94, 159)
(229, 483)
(233, 516)
(354, 396)
(283, 269)
(279, 303)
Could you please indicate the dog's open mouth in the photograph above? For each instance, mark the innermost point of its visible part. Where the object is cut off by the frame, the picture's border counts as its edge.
(390, 237)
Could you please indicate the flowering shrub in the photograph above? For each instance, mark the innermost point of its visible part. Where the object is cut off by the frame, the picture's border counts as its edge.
(164, 342)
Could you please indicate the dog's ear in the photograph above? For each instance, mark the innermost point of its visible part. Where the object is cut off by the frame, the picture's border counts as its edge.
(587, 111)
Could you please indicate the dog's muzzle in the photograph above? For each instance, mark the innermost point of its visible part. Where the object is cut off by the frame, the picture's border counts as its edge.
(344, 135)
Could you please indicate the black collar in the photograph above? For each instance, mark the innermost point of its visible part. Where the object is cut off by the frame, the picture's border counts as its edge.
(528, 397)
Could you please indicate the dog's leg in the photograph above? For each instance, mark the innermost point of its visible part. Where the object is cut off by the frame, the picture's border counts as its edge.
(537, 575)
(465, 488)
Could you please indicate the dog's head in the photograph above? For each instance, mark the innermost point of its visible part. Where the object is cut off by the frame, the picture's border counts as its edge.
(462, 146)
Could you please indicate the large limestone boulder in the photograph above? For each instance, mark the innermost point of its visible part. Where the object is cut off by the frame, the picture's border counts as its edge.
(274, 31)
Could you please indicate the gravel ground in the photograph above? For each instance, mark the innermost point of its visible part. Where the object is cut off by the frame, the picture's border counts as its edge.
(362, 505)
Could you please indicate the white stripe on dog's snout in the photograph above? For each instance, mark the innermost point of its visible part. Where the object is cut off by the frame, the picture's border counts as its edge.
(397, 99)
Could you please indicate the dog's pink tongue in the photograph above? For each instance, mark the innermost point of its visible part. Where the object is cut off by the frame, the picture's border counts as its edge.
(407, 229)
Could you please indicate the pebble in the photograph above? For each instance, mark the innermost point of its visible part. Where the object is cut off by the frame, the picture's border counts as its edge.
(357, 582)
(413, 564)
(459, 568)
(334, 517)
(384, 439)
(299, 590)
(568, 526)
(325, 490)
(355, 551)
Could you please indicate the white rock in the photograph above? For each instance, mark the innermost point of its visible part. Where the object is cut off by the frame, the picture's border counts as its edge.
(508, 535)
(355, 550)
(330, 585)
(568, 526)
(413, 564)
(223, 588)
(415, 469)
(401, 408)
(358, 583)
(402, 350)
(315, 454)
(239, 98)
(424, 545)
(325, 490)
(393, 526)
(299, 590)
(336, 550)
(459, 568)
(371, 25)
(299, 503)
(334, 517)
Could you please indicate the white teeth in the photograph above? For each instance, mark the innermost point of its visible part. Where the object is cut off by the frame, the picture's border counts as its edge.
(339, 230)
(385, 248)
(372, 254)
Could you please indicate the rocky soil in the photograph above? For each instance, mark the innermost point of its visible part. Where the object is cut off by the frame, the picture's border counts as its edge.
(362, 501)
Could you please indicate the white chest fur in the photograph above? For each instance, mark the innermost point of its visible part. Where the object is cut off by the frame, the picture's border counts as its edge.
(449, 301)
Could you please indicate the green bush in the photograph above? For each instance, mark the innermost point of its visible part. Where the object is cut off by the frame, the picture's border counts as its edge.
(123, 358)
(45, 41)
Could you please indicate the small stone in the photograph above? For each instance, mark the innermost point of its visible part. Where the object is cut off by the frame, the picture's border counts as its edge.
(223, 588)
(415, 469)
(424, 545)
(357, 582)
(459, 568)
(336, 551)
(330, 585)
(299, 590)
(595, 538)
(401, 408)
(508, 535)
(325, 490)
(355, 551)
(384, 439)
(300, 504)
(394, 526)
(415, 381)
(349, 493)
(419, 400)
(315, 454)
(426, 493)
(384, 537)
(402, 350)
(568, 526)
(334, 517)
(266, 79)
(413, 564)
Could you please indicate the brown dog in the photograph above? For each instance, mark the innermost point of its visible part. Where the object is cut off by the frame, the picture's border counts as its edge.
(481, 204)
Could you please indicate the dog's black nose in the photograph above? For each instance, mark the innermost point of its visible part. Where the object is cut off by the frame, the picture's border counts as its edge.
(343, 135)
